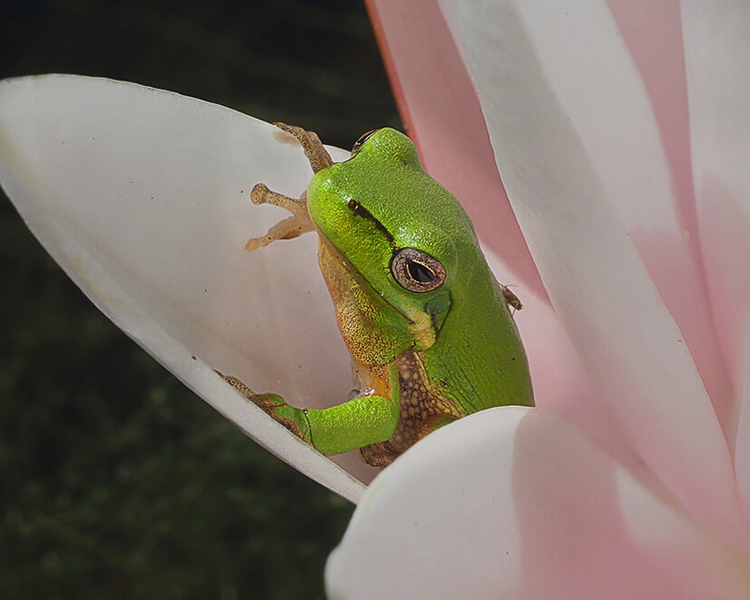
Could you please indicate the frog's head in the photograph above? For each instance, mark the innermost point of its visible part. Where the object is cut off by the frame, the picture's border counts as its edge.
(401, 234)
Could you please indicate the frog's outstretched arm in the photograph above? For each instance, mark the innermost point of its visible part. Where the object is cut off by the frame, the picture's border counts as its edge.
(359, 422)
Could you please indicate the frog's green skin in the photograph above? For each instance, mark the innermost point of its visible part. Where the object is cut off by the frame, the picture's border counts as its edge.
(425, 357)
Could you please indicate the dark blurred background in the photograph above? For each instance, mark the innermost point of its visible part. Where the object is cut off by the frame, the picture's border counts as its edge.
(115, 481)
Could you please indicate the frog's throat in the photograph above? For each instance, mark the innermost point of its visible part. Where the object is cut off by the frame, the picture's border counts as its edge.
(420, 323)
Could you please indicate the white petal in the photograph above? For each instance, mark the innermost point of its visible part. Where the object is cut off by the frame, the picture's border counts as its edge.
(142, 197)
(594, 275)
(514, 503)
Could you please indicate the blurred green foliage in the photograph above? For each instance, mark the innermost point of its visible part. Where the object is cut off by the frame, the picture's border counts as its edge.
(115, 481)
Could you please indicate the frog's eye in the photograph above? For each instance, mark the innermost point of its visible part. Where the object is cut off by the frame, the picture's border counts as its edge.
(417, 271)
(362, 139)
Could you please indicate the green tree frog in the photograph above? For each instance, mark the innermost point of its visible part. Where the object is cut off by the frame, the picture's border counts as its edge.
(429, 329)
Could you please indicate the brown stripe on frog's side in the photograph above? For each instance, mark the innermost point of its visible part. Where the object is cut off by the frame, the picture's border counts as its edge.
(423, 409)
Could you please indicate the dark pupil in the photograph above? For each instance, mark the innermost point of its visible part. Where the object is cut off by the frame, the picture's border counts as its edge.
(419, 272)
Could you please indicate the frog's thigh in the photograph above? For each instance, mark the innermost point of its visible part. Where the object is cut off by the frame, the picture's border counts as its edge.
(359, 422)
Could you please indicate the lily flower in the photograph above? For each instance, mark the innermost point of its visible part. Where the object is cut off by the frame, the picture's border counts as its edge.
(621, 134)
(620, 142)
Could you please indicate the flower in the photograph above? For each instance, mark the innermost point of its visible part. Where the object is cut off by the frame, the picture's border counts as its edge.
(621, 135)
(625, 243)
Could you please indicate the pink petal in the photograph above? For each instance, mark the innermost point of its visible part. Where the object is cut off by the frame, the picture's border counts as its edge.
(444, 118)
(662, 220)
(561, 381)
(514, 503)
(718, 62)
(742, 449)
(142, 197)
(591, 270)
(443, 113)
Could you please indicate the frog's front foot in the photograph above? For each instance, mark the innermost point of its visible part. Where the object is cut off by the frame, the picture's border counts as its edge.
(300, 221)
(294, 419)
(291, 227)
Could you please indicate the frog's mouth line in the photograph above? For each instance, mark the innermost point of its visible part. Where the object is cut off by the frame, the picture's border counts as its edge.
(357, 276)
